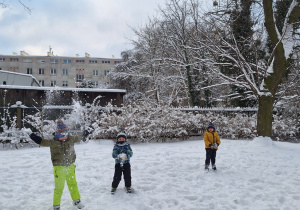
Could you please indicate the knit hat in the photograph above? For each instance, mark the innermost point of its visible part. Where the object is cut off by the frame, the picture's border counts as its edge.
(121, 134)
(59, 121)
(211, 125)
(62, 132)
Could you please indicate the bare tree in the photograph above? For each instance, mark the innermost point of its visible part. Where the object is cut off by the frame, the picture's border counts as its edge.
(184, 46)
(261, 78)
(6, 5)
(147, 71)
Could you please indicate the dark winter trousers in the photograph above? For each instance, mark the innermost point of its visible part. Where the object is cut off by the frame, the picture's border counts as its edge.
(118, 175)
(210, 156)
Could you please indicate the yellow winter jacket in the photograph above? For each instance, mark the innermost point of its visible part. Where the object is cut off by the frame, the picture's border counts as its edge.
(211, 138)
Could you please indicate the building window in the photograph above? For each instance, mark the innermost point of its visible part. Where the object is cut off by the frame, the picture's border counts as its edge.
(79, 61)
(14, 59)
(116, 62)
(29, 70)
(65, 84)
(67, 61)
(106, 72)
(65, 72)
(42, 82)
(27, 60)
(53, 61)
(41, 61)
(14, 69)
(41, 71)
(95, 84)
(105, 61)
(95, 72)
(53, 71)
(93, 61)
(53, 83)
(79, 77)
(2, 59)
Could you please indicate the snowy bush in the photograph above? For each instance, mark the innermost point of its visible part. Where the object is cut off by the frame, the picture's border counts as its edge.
(145, 123)
(285, 129)
(238, 127)
(11, 135)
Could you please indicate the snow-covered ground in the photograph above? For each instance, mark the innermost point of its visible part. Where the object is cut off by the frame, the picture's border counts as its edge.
(257, 174)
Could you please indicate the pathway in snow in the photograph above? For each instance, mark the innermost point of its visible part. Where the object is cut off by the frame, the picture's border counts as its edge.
(251, 175)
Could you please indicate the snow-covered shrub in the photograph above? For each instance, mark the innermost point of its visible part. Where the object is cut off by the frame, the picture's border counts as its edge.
(11, 135)
(239, 127)
(285, 129)
(145, 123)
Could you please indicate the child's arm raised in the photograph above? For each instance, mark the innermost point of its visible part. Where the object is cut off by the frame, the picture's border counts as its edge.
(39, 140)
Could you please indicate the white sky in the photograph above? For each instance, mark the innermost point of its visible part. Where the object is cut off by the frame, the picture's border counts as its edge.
(70, 27)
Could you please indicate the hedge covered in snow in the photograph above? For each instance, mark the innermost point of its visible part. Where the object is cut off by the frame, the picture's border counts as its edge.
(145, 123)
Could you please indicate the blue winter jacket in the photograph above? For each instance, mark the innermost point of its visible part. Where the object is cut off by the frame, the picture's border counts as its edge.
(122, 148)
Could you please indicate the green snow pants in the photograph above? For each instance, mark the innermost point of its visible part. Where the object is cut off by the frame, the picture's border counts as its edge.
(61, 175)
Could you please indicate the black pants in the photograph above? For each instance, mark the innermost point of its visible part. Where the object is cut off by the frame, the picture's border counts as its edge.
(126, 170)
(210, 156)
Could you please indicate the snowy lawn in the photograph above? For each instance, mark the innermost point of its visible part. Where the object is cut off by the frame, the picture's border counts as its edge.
(257, 174)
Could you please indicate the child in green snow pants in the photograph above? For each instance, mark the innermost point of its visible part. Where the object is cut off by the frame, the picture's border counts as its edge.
(61, 175)
(63, 157)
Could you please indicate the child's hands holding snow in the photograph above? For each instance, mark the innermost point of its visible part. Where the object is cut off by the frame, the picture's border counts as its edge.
(122, 156)
(215, 145)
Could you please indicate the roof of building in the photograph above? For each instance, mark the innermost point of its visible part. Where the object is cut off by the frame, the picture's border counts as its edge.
(63, 89)
(20, 74)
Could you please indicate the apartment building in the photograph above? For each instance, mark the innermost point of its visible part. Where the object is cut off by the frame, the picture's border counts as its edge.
(60, 71)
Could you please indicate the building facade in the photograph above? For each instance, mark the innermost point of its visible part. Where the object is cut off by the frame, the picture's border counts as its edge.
(61, 71)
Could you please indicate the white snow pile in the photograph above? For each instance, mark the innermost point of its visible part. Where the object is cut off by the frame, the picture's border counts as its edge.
(258, 174)
(262, 142)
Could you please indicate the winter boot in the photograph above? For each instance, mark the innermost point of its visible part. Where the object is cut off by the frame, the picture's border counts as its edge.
(214, 167)
(128, 189)
(206, 167)
(78, 204)
(113, 190)
(56, 207)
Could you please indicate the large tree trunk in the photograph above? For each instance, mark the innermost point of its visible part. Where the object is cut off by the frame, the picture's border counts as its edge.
(279, 67)
(264, 115)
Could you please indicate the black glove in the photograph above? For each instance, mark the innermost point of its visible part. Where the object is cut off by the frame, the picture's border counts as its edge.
(215, 145)
(210, 145)
(37, 139)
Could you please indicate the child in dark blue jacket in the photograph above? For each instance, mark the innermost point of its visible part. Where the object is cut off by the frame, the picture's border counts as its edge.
(122, 153)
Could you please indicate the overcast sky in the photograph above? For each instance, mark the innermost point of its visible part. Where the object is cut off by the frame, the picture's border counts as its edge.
(70, 27)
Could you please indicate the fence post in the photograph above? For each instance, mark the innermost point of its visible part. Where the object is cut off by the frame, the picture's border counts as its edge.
(19, 114)
(87, 114)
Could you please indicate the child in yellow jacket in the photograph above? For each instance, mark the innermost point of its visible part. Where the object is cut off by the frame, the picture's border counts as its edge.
(212, 142)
